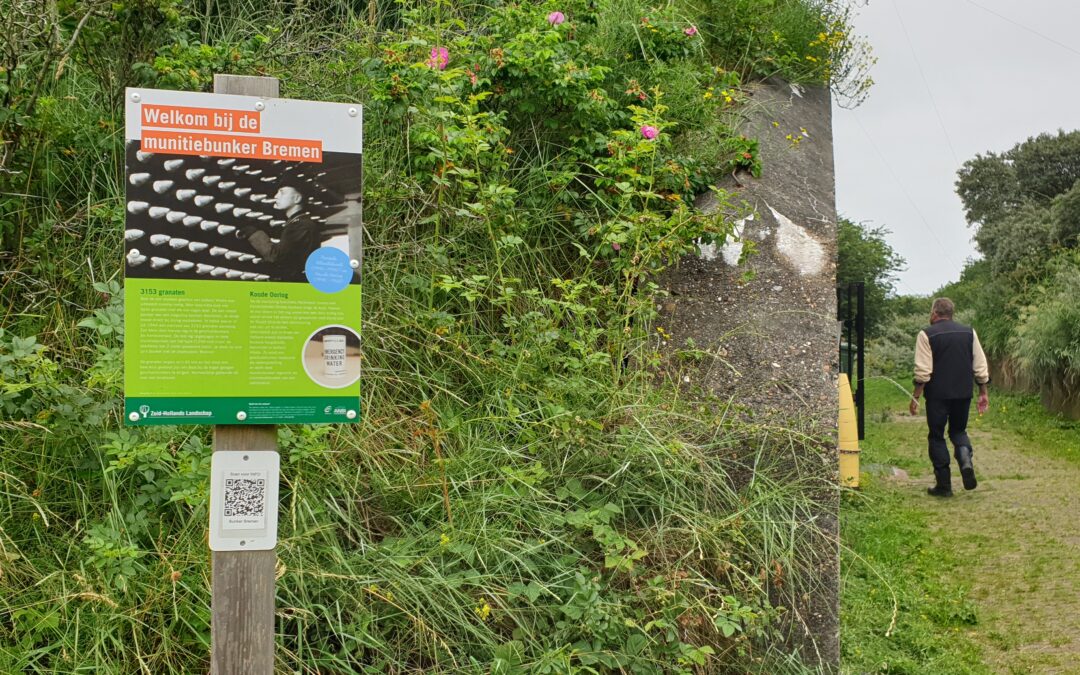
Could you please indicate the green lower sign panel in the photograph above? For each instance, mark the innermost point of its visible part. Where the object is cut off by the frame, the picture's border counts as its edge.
(237, 410)
(240, 352)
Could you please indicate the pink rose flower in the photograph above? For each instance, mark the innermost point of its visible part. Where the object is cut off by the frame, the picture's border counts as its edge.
(440, 56)
(556, 18)
(690, 31)
(649, 132)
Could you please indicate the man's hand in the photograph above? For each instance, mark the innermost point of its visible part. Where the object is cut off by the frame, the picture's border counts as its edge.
(913, 406)
(245, 231)
(984, 403)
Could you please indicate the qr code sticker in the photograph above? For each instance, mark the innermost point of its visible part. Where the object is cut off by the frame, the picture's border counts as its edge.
(245, 500)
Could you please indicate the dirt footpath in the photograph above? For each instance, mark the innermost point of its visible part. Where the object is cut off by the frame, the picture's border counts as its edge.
(1020, 532)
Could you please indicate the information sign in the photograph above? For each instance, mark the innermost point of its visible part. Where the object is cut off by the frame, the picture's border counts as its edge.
(242, 259)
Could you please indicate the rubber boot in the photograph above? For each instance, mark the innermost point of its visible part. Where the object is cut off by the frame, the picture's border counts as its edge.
(967, 470)
(943, 487)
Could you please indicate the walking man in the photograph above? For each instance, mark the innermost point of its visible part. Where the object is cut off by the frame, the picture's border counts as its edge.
(949, 361)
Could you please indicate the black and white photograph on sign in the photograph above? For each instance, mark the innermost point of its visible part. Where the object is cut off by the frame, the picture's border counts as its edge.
(200, 217)
(332, 356)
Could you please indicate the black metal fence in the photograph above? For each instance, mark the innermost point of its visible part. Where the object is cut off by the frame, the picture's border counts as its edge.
(851, 312)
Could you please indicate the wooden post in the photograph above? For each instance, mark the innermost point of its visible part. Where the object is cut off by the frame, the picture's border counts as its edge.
(242, 593)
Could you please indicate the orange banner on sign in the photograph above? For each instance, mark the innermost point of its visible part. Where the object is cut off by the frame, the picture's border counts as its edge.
(225, 145)
(206, 119)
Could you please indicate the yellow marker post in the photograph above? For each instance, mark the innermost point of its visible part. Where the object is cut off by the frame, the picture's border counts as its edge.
(848, 437)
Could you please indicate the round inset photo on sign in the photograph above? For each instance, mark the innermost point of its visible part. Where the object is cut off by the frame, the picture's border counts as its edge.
(332, 356)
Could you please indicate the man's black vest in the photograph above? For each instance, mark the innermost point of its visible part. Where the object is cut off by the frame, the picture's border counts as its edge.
(952, 345)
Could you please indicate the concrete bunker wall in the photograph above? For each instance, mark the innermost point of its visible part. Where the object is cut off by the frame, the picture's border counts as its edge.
(770, 325)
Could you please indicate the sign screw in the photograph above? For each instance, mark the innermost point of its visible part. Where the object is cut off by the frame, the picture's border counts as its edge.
(259, 105)
(134, 417)
(136, 97)
(353, 112)
(351, 414)
(241, 415)
(354, 264)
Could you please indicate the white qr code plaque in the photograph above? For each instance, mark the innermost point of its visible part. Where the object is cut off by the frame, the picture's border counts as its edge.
(243, 500)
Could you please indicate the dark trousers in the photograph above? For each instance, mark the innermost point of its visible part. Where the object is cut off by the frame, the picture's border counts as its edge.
(954, 413)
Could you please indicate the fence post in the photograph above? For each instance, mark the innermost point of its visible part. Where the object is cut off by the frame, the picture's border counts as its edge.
(860, 336)
(242, 591)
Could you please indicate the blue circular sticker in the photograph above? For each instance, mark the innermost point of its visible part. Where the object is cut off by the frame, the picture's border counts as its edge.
(328, 269)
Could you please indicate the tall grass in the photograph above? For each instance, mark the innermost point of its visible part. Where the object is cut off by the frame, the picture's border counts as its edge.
(1047, 343)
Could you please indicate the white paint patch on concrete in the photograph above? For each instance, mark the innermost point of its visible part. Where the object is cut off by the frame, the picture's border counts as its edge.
(798, 246)
(796, 89)
(732, 251)
(707, 251)
(732, 248)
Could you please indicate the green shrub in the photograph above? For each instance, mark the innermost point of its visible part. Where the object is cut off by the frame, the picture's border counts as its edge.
(892, 353)
(1047, 345)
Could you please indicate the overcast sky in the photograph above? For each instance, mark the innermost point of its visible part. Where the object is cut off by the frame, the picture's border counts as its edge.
(953, 78)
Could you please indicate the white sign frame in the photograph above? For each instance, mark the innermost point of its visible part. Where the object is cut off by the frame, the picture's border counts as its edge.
(341, 130)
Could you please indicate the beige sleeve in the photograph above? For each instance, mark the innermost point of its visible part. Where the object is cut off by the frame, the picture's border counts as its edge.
(978, 361)
(924, 359)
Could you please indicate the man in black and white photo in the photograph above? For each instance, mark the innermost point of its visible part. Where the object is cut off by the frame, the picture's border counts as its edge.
(299, 237)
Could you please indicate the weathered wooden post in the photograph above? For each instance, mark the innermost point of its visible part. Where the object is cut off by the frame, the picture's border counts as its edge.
(242, 600)
(242, 592)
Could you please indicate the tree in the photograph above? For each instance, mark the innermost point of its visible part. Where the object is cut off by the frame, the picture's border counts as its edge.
(1066, 216)
(1046, 165)
(864, 255)
(1023, 237)
(988, 187)
(1032, 172)
(1026, 204)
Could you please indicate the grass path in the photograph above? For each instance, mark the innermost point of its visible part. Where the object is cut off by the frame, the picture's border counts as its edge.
(1010, 549)
(1017, 537)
